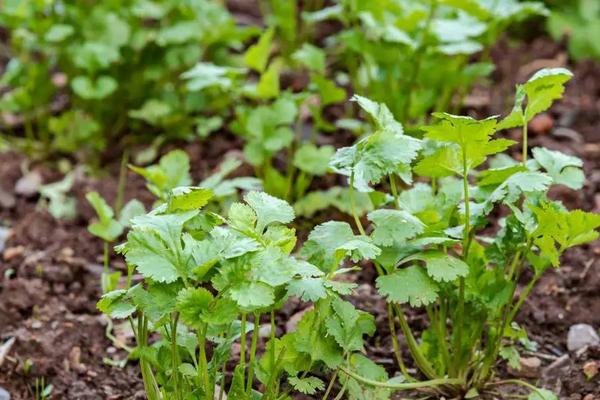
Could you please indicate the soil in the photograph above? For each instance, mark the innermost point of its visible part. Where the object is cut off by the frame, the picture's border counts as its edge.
(49, 270)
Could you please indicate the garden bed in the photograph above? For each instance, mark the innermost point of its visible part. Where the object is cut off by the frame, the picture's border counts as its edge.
(51, 269)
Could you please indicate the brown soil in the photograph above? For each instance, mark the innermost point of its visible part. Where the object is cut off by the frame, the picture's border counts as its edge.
(49, 273)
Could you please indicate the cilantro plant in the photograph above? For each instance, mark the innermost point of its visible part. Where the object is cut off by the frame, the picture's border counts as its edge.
(109, 229)
(205, 277)
(437, 247)
(415, 56)
(173, 171)
(88, 58)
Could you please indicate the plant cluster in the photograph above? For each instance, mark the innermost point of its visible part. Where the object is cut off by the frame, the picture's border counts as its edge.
(72, 62)
(579, 22)
(212, 279)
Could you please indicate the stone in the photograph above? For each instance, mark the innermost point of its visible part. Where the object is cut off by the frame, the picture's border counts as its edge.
(4, 395)
(29, 184)
(541, 123)
(590, 369)
(580, 336)
(7, 200)
(530, 367)
(3, 237)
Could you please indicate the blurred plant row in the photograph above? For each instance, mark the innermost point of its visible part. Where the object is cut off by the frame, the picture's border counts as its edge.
(82, 75)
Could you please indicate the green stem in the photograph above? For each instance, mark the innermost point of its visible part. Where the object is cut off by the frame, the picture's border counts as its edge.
(121, 185)
(253, 352)
(422, 362)
(243, 345)
(105, 283)
(203, 370)
(524, 142)
(461, 290)
(518, 382)
(359, 225)
(395, 343)
(403, 386)
(330, 386)
(394, 190)
(175, 356)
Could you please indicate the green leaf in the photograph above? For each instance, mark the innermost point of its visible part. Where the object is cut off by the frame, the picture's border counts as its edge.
(253, 294)
(272, 266)
(153, 111)
(444, 162)
(330, 242)
(311, 57)
(319, 346)
(101, 88)
(312, 159)
(542, 394)
(115, 304)
(329, 92)
(441, 266)
(269, 209)
(381, 114)
(472, 136)
(540, 90)
(268, 84)
(173, 170)
(192, 304)
(107, 228)
(206, 75)
(257, 55)
(564, 169)
(151, 256)
(394, 226)
(308, 385)
(375, 157)
(58, 33)
(348, 325)
(185, 198)
(308, 289)
(408, 285)
(132, 209)
(511, 355)
(543, 88)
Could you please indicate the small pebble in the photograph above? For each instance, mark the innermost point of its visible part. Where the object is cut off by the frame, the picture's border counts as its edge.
(36, 324)
(590, 369)
(29, 184)
(3, 236)
(7, 200)
(541, 123)
(580, 336)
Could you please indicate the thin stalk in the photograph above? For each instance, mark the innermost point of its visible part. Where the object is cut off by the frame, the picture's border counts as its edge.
(203, 370)
(243, 345)
(422, 362)
(330, 386)
(403, 386)
(121, 185)
(518, 382)
(253, 352)
(175, 356)
(359, 225)
(342, 390)
(273, 328)
(396, 344)
(522, 297)
(524, 142)
(105, 279)
(394, 190)
(461, 290)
